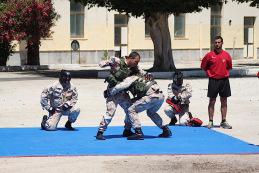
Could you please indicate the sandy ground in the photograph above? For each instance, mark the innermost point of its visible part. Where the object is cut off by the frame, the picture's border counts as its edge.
(19, 102)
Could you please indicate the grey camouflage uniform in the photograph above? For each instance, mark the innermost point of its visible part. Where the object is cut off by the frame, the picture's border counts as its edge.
(151, 102)
(185, 92)
(112, 102)
(55, 96)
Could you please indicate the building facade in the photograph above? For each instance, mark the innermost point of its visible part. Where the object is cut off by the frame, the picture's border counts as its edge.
(100, 34)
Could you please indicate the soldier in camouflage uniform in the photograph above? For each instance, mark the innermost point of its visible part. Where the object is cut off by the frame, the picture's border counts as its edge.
(147, 96)
(178, 100)
(59, 99)
(120, 69)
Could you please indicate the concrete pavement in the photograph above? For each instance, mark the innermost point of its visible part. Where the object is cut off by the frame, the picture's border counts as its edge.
(20, 107)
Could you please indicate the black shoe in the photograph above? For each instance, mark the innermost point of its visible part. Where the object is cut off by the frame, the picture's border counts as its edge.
(138, 135)
(127, 133)
(68, 125)
(166, 133)
(99, 135)
(44, 119)
(173, 121)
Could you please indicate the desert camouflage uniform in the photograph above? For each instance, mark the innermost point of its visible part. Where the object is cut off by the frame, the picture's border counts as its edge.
(185, 92)
(121, 98)
(148, 95)
(55, 96)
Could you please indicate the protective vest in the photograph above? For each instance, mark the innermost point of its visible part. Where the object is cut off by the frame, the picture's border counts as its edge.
(119, 75)
(140, 87)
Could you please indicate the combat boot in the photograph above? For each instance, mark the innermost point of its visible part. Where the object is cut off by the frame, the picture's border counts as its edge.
(43, 122)
(166, 132)
(99, 135)
(127, 133)
(138, 135)
(173, 121)
(68, 125)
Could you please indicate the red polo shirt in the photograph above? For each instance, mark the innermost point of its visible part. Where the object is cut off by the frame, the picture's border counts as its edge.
(217, 66)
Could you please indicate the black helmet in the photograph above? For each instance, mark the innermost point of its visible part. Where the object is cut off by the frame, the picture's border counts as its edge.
(178, 78)
(64, 77)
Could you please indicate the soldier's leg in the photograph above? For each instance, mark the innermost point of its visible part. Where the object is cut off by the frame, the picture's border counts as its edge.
(170, 112)
(73, 113)
(111, 106)
(138, 106)
(52, 121)
(125, 102)
(184, 117)
(156, 102)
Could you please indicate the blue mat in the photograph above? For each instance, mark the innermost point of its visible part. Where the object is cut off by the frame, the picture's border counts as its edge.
(185, 140)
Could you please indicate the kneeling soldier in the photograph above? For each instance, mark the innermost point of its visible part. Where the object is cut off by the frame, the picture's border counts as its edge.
(59, 99)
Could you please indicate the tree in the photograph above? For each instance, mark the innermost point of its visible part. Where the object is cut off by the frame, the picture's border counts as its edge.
(156, 13)
(253, 3)
(8, 30)
(28, 20)
(37, 19)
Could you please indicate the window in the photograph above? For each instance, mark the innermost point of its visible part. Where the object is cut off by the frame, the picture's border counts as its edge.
(77, 15)
(215, 22)
(120, 20)
(179, 26)
(147, 29)
(248, 24)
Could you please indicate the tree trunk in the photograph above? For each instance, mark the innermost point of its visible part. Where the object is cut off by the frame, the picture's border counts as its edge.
(160, 35)
(5, 51)
(33, 54)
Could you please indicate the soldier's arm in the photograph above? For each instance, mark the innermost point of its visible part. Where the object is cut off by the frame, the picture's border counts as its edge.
(45, 97)
(73, 99)
(126, 83)
(187, 93)
(170, 91)
(113, 61)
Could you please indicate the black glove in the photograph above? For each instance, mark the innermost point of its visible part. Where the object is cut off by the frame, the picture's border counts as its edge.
(149, 77)
(66, 107)
(51, 110)
(176, 99)
(106, 94)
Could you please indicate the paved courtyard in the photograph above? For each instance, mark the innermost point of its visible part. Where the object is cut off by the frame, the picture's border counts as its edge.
(20, 107)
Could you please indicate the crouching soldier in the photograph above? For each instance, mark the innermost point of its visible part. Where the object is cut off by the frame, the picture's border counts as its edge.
(59, 99)
(178, 100)
(147, 96)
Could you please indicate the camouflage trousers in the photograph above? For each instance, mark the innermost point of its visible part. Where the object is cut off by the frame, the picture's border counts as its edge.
(53, 120)
(112, 102)
(150, 103)
(183, 115)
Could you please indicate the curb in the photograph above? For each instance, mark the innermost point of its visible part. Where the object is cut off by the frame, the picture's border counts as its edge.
(77, 72)
(237, 72)
(23, 68)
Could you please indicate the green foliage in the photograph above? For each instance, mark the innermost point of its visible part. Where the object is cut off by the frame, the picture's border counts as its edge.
(145, 8)
(105, 55)
(28, 20)
(253, 3)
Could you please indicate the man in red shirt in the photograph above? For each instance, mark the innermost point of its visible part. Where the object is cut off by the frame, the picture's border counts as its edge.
(217, 64)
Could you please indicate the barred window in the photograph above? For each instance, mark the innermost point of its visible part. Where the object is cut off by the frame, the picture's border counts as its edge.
(179, 26)
(77, 16)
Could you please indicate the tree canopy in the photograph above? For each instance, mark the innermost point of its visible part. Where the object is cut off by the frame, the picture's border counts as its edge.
(139, 8)
(253, 3)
